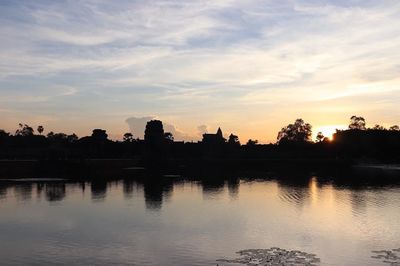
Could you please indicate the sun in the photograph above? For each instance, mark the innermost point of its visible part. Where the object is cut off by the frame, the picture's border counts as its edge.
(327, 130)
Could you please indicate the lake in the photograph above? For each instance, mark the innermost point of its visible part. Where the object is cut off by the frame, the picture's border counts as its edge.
(184, 221)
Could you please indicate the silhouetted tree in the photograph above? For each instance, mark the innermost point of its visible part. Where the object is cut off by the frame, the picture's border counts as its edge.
(169, 137)
(4, 136)
(233, 140)
(297, 132)
(394, 128)
(40, 129)
(154, 132)
(128, 137)
(3, 133)
(58, 137)
(251, 142)
(378, 127)
(24, 130)
(72, 138)
(99, 134)
(320, 137)
(357, 122)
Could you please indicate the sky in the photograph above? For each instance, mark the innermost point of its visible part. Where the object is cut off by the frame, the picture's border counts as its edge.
(250, 67)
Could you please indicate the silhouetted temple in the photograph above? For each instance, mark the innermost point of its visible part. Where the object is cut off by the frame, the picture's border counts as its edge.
(212, 139)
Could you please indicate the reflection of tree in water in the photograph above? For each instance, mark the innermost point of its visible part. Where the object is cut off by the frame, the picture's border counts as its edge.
(358, 200)
(294, 189)
(98, 189)
(23, 191)
(55, 191)
(233, 187)
(358, 183)
(3, 191)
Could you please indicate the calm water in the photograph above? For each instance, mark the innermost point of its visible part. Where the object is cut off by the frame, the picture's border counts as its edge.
(183, 222)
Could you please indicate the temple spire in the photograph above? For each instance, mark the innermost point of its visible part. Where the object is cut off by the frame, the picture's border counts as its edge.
(219, 132)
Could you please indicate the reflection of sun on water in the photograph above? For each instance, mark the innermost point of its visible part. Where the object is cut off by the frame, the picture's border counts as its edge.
(327, 130)
(313, 188)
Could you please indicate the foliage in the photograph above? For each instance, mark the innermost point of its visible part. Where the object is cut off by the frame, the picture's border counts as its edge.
(72, 138)
(128, 137)
(233, 140)
(24, 130)
(251, 142)
(3, 133)
(169, 137)
(299, 131)
(40, 129)
(378, 127)
(357, 122)
(99, 134)
(320, 137)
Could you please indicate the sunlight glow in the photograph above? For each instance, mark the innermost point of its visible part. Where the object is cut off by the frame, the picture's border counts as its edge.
(327, 130)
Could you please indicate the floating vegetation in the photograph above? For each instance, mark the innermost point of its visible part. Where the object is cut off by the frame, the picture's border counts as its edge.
(391, 257)
(273, 257)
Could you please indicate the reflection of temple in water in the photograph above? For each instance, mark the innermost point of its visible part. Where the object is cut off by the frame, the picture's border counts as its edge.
(128, 186)
(155, 191)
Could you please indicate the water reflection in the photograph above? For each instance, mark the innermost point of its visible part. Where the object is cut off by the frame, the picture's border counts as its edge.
(233, 187)
(358, 200)
(3, 191)
(112, 222)
(293, 189)
(39, 189)
(128, 188)
(99, 190)
(23, 192)
(212, 187)
(55, 191)
(155, 191)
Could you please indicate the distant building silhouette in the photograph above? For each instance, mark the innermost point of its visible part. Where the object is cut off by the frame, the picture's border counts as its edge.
(154, 133)
(213, 139)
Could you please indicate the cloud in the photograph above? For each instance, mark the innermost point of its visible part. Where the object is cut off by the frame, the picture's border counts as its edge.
(202, 129)
(138, 124)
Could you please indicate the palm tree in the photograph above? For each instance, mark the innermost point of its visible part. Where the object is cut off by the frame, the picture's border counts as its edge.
(40, 129)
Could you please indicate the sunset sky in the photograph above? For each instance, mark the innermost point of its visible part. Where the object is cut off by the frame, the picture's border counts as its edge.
(250, 67)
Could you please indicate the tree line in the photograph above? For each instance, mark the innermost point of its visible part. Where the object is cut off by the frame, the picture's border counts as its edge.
(293, 140)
